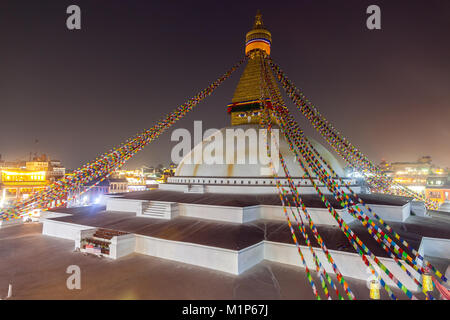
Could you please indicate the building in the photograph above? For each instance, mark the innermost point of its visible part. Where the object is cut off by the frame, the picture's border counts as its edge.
(20, 179)
(438, 188)
(414, 174)
(53, 168)
(137, 179)
(17, 184)
(94, 192)
(117, 185)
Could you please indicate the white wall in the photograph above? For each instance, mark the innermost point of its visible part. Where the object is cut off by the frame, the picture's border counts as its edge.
(236, 262)
(124, 205)
(203, 256)
(391, 213)
(435, 247)
(349, 264)
(122, 245)
(241, 185)
(62, 229)
(418, 208)
(250, 256)
(218, 213)
(320, 216)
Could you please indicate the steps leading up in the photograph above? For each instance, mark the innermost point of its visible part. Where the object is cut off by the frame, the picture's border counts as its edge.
(159, 209)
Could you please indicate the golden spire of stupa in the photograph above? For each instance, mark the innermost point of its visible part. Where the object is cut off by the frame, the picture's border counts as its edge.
(258, 21)
(246, 104)
(259, 37)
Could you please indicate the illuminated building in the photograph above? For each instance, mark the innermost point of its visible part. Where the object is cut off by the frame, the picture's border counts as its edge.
(19, 179)
(18, 183)
(118, 185)
(438, 188)
(145, 177)
(412, 174)
(93, 192)
(53, 168)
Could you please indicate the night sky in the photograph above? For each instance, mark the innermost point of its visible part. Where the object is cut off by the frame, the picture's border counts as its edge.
(79, 93)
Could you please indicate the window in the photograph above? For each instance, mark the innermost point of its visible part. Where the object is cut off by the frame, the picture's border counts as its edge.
(435, 194)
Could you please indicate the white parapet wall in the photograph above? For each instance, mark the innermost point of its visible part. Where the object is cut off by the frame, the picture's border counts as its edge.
(122, 245)
(349, 264)
(211, 212)
(238, 261)
(124, 205)
(63, 230)
(419, 208)
(435, 247)
(250, 256)
(391, 213)
(319, 216)
(142, 208)
(204, 256)
(240, 186)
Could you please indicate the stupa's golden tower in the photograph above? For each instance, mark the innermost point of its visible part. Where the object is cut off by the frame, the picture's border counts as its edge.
(246, 106)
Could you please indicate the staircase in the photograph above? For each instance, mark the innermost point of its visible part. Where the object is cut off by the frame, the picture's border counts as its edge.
(159, 209)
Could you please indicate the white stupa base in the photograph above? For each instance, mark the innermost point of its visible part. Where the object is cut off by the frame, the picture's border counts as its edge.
(237, 261)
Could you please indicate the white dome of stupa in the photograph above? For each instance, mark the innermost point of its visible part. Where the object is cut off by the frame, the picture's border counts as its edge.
(250, 168)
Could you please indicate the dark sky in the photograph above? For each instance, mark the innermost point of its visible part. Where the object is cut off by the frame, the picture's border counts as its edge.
(81, 92)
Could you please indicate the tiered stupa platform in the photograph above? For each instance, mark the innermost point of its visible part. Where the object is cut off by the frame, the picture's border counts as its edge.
(232, 233)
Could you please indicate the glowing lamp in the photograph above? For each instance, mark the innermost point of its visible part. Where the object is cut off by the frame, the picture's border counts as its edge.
(374, 290)
(427, 282)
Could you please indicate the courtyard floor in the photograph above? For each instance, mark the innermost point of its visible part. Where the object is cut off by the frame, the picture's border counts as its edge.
(36, 266)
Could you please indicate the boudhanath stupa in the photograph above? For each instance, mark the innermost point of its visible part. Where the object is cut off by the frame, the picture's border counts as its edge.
(229, 217)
